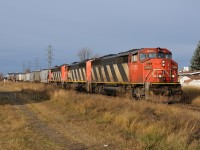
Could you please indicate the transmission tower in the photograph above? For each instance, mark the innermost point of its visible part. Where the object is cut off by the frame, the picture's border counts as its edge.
(37, 63)
(49, 56)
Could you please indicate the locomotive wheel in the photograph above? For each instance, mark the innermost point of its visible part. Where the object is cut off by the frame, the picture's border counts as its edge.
(128, 94)
(101, 90)
(96, 89)
(63, 85)
(137, 93)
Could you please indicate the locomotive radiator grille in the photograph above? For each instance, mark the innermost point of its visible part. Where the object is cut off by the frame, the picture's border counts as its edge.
(110, 73)
(77, 74)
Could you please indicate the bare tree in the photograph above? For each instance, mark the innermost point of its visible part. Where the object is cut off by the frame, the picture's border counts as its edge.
(84, 53)
(96, 56)
(26, 68)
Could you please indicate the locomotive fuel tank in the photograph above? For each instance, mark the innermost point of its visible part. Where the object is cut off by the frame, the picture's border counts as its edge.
(116, 91)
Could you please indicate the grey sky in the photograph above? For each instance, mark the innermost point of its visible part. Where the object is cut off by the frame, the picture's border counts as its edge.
(106, 26)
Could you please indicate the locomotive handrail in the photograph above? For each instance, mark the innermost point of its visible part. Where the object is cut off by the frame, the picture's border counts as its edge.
(147, 76)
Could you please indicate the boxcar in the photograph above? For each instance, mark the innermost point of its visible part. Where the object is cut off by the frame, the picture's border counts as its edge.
(44, 76)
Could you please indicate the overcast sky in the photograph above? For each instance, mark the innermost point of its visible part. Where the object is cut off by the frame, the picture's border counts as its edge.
(106, 26)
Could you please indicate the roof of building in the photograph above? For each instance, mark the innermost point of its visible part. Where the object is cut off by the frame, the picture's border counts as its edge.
(192, 78)
(188, 73)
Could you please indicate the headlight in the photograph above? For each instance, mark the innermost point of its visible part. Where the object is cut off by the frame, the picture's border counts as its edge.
(173, 76)
(159, 76)
(163, 63)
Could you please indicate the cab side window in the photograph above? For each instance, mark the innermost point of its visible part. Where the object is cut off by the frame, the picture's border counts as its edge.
(152, 55)
(143, 56)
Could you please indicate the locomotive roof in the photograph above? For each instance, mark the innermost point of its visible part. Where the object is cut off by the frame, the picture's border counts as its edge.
(133, 51)
(56, 67)
(125, 53)
(108, 56)
(77, 63)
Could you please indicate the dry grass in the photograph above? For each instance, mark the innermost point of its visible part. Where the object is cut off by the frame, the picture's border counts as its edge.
(191, 95)
(123, 122)
(196, 101)
(140, 124)
(16, 131)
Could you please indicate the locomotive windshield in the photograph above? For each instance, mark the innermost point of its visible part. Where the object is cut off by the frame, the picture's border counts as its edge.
(155, 55)
(164, 55)
(161, 55)
(152, 55)
(169, 56)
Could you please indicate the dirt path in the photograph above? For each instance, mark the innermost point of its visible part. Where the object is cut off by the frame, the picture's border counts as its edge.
(67, 132)
(47, 124)
(45, 130)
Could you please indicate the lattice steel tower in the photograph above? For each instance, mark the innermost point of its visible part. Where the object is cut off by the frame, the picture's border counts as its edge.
(49, 56)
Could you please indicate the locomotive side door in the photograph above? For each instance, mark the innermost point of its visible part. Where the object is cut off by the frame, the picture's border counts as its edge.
(134, 69)
(89, 76)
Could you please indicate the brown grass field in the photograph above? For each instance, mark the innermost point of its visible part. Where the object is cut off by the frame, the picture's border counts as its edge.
(191, 95)
(37, 116)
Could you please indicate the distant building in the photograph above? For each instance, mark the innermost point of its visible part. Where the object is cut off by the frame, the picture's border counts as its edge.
(189, 78)
(186, 69)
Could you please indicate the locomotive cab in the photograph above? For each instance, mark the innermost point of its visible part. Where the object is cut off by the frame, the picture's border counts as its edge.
(154, 74)
(158, 66)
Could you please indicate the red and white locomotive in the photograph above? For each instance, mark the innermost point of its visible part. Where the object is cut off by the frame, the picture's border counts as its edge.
(146, 73)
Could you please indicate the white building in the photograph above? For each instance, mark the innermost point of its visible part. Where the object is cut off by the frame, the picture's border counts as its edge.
(189, 78)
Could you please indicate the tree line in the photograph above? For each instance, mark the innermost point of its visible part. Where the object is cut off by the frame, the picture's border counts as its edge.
(195, 61)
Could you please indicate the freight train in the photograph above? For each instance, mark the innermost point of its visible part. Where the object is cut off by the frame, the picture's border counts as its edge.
(146, 73)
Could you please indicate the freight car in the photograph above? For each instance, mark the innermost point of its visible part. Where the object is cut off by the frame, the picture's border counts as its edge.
(27, 77)
(20, 77)
(44, 76)
(36, 76)
(146, 73)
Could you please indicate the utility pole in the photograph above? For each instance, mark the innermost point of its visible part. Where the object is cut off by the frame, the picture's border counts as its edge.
(37, 63)
(49, 56)
(24, 66)
(29, 66)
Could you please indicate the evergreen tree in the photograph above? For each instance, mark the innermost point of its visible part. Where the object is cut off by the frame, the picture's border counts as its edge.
(195, 61)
